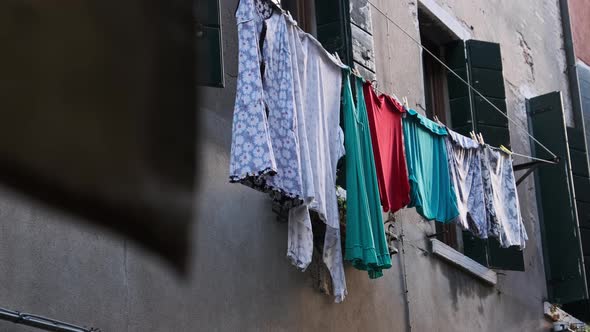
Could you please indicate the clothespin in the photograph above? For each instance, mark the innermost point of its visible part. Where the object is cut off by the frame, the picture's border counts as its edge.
(480, 136)
(376, 88)
(405, 104)
(374, 85)
(437, 120)
(276, 3)
(338, 58)
(505, 149)
(472, 134)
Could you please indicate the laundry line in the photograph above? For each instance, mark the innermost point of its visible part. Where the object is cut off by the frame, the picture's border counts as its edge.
(552, 162)
(313, 40)
(516, 124)
(339, 63)
(529, 157)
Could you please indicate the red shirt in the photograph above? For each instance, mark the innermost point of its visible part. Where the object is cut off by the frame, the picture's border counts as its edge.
(385, 121)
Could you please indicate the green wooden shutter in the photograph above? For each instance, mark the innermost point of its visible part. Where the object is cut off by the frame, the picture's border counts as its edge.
(576, 145)
(485, 71)
(333, 31)
(584, 82)
(564, 264)
(504, 258)
(463, 122)
(208, 44)
(581, 176)
(581, 309)
(459, 95)
(333, 27)
(480, 63)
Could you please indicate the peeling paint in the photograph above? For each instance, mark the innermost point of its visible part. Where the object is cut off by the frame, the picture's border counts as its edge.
(527, 54)
(360, 15)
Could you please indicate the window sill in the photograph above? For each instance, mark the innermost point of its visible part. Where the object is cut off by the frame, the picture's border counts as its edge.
(465, 263)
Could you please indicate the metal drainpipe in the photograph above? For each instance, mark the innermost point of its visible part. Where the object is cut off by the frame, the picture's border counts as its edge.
(571, 70)
(40, 322)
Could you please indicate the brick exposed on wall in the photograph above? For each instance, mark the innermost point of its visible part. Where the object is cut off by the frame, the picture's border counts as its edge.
(580, 12)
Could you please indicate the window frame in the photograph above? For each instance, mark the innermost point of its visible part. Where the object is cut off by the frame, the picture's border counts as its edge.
(208, 38)
(486, 252)
(437, 103)
(303, 11)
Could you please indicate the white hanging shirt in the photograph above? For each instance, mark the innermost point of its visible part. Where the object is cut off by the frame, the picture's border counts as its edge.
(464, 156)
(318, 84)
(503, 208)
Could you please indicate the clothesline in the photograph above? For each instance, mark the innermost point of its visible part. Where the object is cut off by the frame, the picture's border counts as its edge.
(472, 88)
(529, 157)
(552, 162)
(339, 63)
(279, 148)
(316, 42)
(266, 130)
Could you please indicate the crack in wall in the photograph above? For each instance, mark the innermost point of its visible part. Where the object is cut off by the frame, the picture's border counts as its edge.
(464, 23)
(527, 53)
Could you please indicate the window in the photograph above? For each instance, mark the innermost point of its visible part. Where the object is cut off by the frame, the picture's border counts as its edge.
(208, 43)
(436, 96)
(434, 37)
(333, 27)
(448, 98)
(328, 21)
(208, 34)
(303, 11)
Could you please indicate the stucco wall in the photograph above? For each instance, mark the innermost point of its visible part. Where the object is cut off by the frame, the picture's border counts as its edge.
(529, 33)
(239, 278)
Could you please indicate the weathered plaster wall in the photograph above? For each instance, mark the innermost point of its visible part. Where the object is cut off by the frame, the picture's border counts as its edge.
(529, 33)
(239, 279)
(580, 13)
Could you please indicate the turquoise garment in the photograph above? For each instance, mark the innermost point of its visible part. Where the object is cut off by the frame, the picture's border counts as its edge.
(366, 245)
(431, 190)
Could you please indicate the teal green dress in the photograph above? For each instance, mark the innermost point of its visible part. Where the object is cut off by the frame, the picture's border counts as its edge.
(366, 245)
(431, 190)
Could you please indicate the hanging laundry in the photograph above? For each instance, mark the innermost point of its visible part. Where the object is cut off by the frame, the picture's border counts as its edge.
(431, 190)
(318, 82)
(465, 166)
(385, 122)
(366, 245)
(264, 150)
(503, 208)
